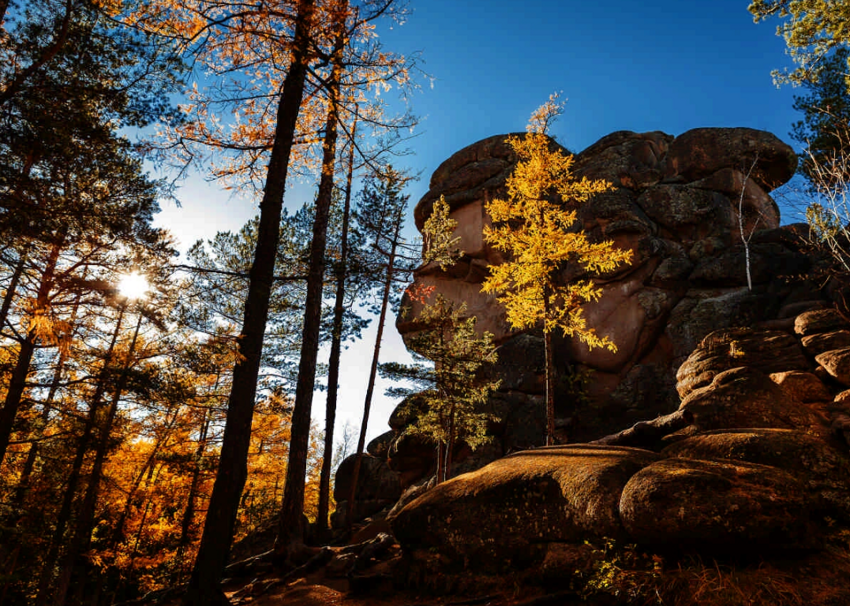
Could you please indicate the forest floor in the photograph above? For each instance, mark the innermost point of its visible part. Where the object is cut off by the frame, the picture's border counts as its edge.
(374, 585)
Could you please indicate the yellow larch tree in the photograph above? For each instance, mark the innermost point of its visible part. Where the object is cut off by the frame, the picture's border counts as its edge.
(533, 225)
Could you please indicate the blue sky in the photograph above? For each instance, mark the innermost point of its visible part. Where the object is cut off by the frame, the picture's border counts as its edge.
(653, 65)
(668, 65)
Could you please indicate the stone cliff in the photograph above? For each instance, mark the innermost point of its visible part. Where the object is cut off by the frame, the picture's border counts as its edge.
(676, 206)
(719, 427)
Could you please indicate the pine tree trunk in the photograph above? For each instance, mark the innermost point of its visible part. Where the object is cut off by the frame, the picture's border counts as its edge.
(450, 443)
(336, 350)
(440, 462)
(18, 382)
(373, 374)
(81, 537)
(290, 526)
(214, 550)
(64, 514)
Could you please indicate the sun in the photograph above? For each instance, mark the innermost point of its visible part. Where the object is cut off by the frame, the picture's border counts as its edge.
(133, 286)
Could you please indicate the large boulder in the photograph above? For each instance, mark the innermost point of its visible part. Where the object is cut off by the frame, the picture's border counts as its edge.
(823, 469)
(819, 321)
(837, 364)
(770, 351)
(819, 343)
(503, 515)
(701, 152)
(716, 505)
(376, 481)
(803, 386)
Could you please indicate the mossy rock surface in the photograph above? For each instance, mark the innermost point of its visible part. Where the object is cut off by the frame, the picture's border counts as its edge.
(503, 515)
(717, 505)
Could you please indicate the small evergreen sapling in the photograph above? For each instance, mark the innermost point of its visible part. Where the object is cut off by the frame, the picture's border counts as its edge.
(454, 391)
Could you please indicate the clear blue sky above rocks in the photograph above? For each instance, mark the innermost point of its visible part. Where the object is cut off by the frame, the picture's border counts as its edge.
(668, 65)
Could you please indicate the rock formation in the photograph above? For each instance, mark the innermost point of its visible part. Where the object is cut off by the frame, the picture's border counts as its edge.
(675, 205)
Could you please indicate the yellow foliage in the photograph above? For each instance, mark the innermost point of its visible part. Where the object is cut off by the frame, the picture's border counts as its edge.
(533, 226)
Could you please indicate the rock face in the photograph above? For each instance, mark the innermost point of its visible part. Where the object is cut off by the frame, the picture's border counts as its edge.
(554, 494)
(676, 207)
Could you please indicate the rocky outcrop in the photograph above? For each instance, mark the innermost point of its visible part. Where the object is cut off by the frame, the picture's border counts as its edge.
(675, 206)
(737, 398)
(554, 494)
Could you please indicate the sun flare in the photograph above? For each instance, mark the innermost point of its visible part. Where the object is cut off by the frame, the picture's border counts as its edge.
(133, 286)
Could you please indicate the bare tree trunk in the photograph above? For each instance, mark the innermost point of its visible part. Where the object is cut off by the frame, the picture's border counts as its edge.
(373, 373)
(10, 291)
(64, 514)
(81, 537)
(550, 375)
(214, 550)
(745, 239)
(18, 382)
(336, 349)
(290, 527)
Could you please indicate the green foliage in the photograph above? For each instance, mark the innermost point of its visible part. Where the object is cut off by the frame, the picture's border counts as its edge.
(623, 572)
(379, 252)
(826, 117)
(454, 391)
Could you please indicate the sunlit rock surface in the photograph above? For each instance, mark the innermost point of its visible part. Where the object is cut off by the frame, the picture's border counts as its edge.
(762, 469)
(676, 207)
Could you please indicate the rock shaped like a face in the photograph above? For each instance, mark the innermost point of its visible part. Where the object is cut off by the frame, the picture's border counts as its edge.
(502, 515)
(674, 197)
(679, 215)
